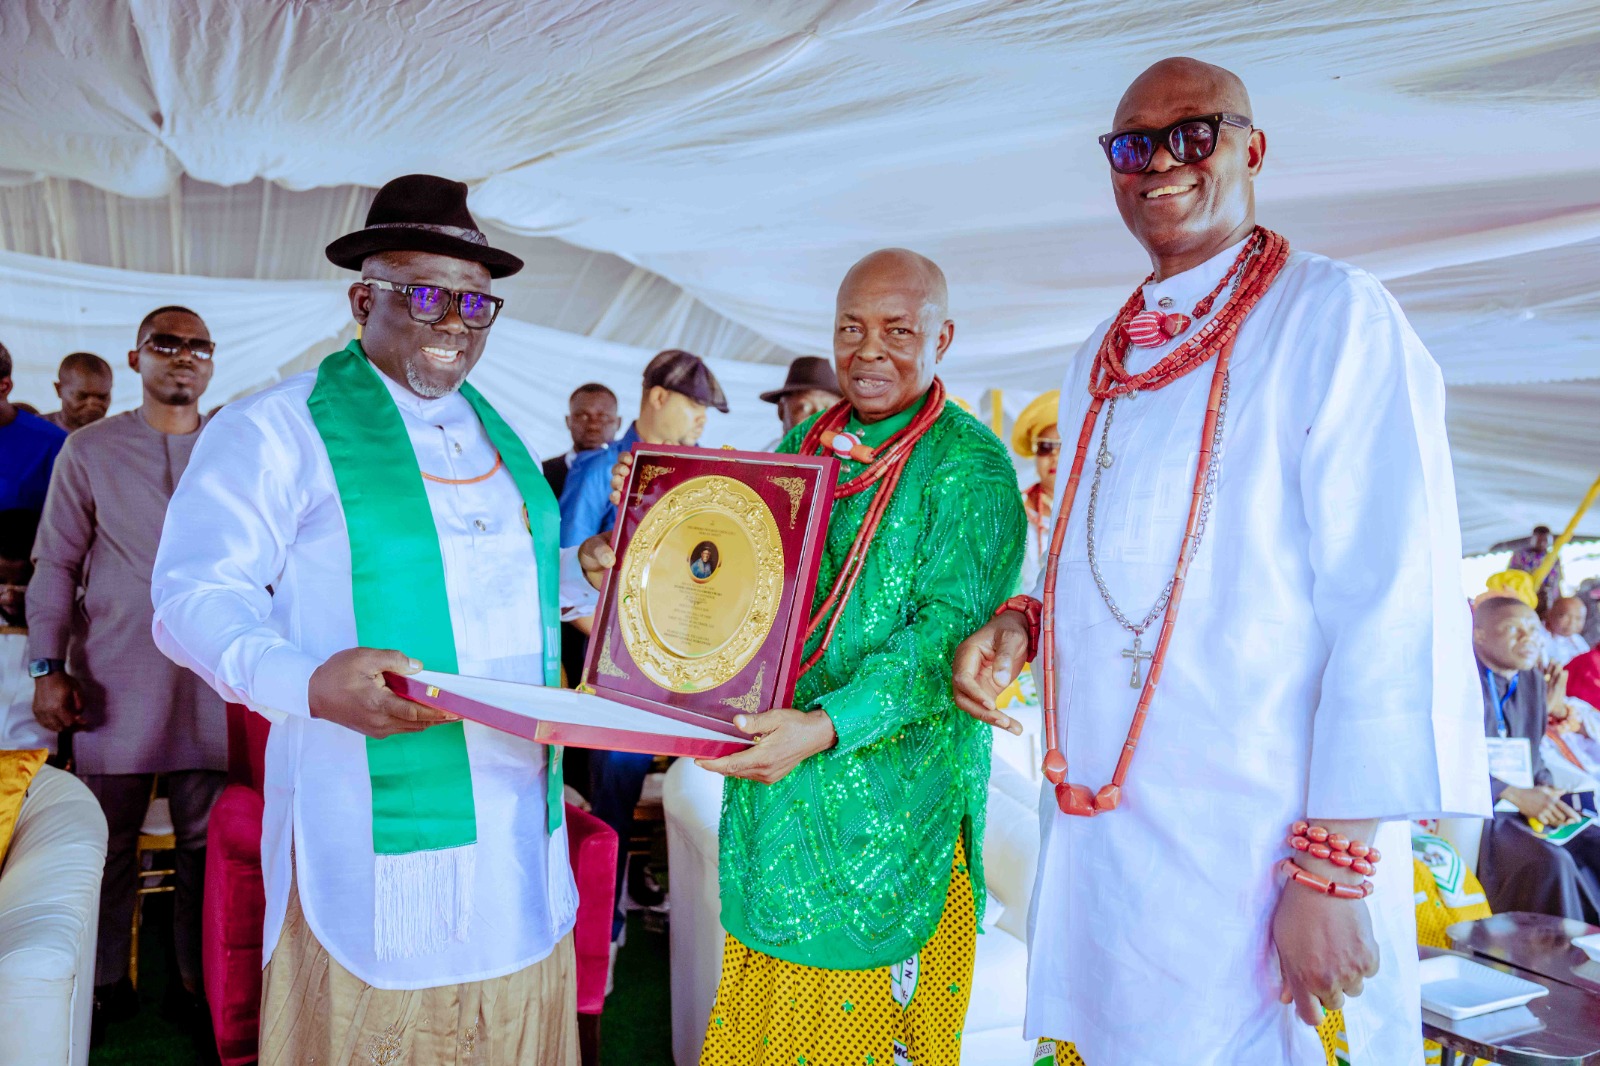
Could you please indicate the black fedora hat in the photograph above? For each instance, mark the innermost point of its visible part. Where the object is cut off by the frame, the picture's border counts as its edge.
(422, 213)
(806, 373)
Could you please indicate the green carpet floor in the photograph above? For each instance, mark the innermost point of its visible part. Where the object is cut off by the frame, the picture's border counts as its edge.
(148, 1039)
(636, 1029)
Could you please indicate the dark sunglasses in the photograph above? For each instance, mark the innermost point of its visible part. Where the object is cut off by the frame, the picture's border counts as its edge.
(168, 345)
(1189, 140)
(1046, 446)
(430, 303)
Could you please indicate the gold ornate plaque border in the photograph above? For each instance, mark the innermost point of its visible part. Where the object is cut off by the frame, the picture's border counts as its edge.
(736, 500)
(796, 488)
(648, 474)
(750, 702)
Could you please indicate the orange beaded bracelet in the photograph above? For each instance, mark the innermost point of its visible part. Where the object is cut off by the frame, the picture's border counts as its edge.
(1336, 848)
(1290, 872)
(1030, 610)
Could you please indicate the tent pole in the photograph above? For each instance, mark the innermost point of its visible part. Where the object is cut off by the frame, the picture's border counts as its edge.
(1566, 534)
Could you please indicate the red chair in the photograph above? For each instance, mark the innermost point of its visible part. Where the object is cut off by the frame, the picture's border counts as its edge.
(235, 902)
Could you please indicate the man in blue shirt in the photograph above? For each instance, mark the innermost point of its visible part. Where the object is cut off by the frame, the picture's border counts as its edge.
(28, 449)
(678, 387)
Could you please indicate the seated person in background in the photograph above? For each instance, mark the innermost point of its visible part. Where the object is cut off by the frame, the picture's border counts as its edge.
(18, 728)
(1583, 677)
(1571, 746)
(1563, 630)
(1589, 596)
(1521, 871)
(83, 383)
(17, 529)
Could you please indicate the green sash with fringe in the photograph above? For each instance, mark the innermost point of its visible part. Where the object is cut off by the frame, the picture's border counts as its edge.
(421, 782)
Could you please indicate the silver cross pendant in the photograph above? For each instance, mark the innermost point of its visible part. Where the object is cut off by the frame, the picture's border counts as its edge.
(1138, 655)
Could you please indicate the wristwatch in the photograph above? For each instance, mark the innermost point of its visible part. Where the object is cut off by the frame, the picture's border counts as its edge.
(41, 667)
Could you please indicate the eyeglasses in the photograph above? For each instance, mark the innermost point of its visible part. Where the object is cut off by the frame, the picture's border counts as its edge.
(430, 303)
(1189, 140)
(1046, 446)
(168, 345)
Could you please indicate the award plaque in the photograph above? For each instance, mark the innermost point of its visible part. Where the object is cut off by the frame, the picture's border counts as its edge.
(704, 614)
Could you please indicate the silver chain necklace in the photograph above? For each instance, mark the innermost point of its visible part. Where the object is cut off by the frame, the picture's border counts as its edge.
(1102, 462)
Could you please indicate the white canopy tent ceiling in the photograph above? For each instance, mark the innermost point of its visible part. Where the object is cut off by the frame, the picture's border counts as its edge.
(702, 174)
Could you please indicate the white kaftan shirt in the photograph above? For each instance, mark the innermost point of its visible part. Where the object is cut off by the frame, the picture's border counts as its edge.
(258, 510)
(1321, 665)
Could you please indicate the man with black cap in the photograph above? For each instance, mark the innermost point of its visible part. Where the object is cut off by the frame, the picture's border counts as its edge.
(810, 387)
(379, 515)
(678, 387)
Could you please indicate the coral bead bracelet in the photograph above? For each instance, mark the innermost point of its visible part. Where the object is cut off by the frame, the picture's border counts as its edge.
(1317, 842)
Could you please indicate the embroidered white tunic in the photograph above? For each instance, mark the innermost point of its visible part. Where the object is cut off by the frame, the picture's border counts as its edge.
(258, 510)
(1321, 664)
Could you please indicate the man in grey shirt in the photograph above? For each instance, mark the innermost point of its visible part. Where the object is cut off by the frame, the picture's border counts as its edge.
(96, 670)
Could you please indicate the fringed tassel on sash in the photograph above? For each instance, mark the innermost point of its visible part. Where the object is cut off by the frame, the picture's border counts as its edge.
(422, 901)
(558, 881)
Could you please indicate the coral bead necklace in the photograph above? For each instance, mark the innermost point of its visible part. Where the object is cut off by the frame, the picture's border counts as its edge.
(1257, 266)
(884, 464)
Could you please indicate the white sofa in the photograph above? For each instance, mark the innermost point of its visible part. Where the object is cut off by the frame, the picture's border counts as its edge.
(49, 914)
(993, 1034)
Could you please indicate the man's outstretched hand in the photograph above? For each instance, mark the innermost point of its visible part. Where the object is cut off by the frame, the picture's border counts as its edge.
(986, 663)
(348, 689)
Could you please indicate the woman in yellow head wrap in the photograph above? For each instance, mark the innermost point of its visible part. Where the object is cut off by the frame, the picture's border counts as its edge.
(1034, 436)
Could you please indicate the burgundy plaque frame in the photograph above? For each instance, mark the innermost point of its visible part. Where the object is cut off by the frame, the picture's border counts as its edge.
(799, 491)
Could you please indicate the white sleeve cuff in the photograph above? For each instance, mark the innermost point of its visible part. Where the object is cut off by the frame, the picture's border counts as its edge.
(578, 598)
(282, 682)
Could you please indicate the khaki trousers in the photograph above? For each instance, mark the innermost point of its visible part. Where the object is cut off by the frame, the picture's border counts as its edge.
(314, 1011)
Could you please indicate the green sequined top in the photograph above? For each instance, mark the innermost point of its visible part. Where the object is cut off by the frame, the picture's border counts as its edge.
(845, 863)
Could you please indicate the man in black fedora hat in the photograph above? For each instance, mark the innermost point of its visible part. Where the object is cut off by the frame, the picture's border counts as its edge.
(419, 898)
(810, 387)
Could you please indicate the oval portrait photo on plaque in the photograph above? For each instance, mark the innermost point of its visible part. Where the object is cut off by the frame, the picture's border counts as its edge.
(703, 616)
(701, 583)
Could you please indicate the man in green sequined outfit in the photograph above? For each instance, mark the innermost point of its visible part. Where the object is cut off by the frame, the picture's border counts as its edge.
(840, 827)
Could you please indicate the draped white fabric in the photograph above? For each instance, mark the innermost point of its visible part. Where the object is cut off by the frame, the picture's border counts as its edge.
(262, 230)
(732, 157)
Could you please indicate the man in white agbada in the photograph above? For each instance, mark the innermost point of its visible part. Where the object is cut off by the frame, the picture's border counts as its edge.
(1319, 661)
(378, 515)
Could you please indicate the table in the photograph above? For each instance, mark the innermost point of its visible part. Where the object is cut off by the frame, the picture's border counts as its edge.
(1541, 943)
(1560, 1029)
